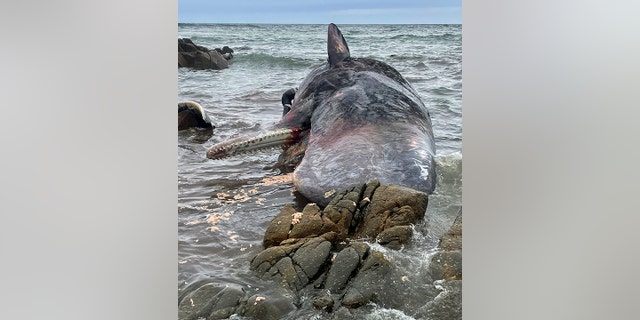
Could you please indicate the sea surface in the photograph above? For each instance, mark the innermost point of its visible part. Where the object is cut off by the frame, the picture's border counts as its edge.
(225, 206)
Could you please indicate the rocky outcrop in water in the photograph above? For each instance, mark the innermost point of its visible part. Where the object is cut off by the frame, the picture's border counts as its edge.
(199, 57)
(320, 254)
(316, 248)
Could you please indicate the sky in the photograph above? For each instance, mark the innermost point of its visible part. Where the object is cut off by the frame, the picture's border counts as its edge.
(321, 11)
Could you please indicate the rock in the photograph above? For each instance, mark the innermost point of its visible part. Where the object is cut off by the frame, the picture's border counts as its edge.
(391, 206)
(452, 240)
(315, 246)
(278, 229)
(309, 223)
(198, 303)
(446, 265)
(324, 302)
(226, 303)
(202, 60)
(294, 265)
(342, 314)
(448, 304)
(199, 57)
(312, 255)
(211, 301)
(447, 262)
(394, 237)
(342, 269)
(369, 282)
(226, 49)
(361, 211)
(268, 307)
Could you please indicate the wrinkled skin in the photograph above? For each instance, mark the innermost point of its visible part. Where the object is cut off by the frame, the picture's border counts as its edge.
(356, 120)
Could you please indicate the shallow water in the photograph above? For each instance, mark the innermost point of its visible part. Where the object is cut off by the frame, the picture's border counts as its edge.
(225, 206)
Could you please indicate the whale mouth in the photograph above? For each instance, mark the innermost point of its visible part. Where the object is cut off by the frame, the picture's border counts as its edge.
(248, 145)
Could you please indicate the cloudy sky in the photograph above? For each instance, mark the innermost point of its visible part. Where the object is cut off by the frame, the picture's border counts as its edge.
(320, 11)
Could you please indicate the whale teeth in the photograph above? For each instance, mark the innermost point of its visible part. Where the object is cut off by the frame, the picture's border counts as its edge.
(265, 141)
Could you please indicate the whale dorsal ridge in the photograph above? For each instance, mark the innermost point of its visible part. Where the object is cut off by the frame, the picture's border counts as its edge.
(336, 46)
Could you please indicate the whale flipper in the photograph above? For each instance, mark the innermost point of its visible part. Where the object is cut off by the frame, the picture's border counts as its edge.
(336, 46)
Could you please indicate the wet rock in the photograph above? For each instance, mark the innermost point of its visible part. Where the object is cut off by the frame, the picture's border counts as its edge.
(310, 223)
(274, 306)
(446, 265)
(394, 237)
(343, 266)
(186, 45)
(342, 314)
(369, 282)
(391, 206)
(324, 302)
(198, 303)
(225, 303)
(294, 265)
(278, 229)
(314, 249)
(200, 57)
(312, 255)
(447, 262)
(361, 211)
(452, 240)
(448, 304)
(209, 300)
(226, 49)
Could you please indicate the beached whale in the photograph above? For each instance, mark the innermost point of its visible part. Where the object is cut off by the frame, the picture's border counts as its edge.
(192, 115)
(350, 121)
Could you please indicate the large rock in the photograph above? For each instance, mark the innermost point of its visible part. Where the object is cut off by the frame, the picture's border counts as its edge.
(200, 57)
(315, 246)
(210, 300)
(370, 210)
(295, 264)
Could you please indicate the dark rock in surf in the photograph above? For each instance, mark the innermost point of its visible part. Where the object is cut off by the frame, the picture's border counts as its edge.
(314, 247)
(210, 300)
(363, 211)
(323, 302)
(369, 283)
(447, 262)
(449, 302)
(200, 57)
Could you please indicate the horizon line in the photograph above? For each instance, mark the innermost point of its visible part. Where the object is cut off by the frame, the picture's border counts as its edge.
(318, 23)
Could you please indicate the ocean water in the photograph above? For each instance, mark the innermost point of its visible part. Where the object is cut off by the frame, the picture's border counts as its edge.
(225, 206)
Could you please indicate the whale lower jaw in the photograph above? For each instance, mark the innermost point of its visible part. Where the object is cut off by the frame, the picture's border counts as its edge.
(248, 145)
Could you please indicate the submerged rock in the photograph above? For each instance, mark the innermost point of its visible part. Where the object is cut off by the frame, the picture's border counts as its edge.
(447, 262)
(211, 300)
